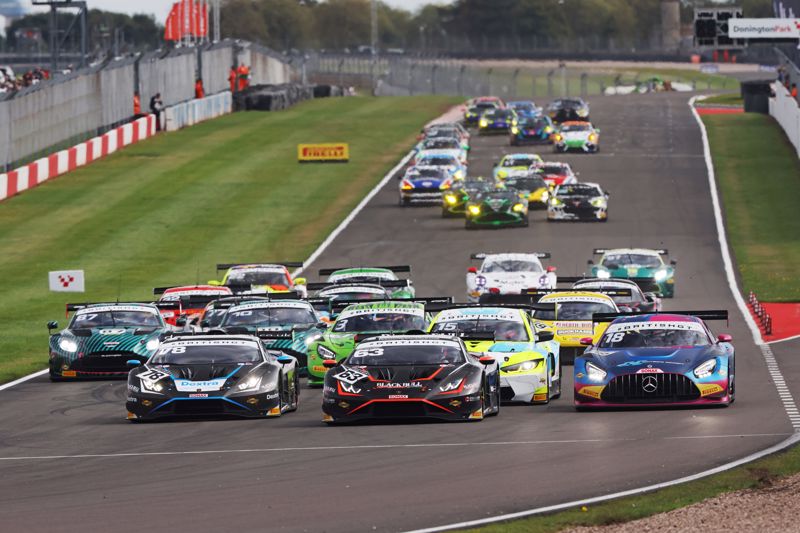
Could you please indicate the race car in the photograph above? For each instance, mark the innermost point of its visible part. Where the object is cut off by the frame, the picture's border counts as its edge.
(508, 274)
(214, 311)
(411, 376)
(640, 264)
(423, 185)
(576, 136)
(443, 143)
(496, 209)
(532, 129)
(638, 300)
(530, 364)
(582, 201)
(531, 186)
(496, 121)
(102, 337)
(524, 108)
(283, 324)
(373, 274)
(566, 109)
(260, 278)
(555, 173)
(350, 291)
(455, 200)
(212, 375)
(359, 319)
(515, 164)
(446, 130)
(445, 159)
(192, 298)
(571, 320)
(656, 359)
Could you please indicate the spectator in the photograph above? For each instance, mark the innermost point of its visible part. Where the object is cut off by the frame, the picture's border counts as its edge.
(137, 105)
(794, 91)
(244, 76)
(232, 79)
(199, 92)
(156, 105)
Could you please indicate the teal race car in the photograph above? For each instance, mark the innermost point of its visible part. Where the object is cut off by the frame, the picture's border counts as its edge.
(497, 209)
(454, 201)
(102, 337)
(642, 265)
(357, 320)
(400, 288)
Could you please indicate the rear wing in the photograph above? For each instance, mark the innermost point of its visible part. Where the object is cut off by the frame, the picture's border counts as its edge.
(72, 307)
(393, 268)
(482, 255)
(601, 251)
(230, 301)
(539, 293)
(386, 284)
(528, 306)
(721, 314)
(196, 301)
(274, 335)
(338, 305)
(287, 264)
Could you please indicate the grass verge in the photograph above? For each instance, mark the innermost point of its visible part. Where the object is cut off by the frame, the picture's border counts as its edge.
(757, 474)
(165, 211)
(758, 173)
(724, 99)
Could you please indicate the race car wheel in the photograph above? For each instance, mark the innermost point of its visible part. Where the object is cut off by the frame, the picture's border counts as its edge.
(295, 395)
(470, 225)
(557, 395)
(403, 202)
(514, 141)
(525, 222)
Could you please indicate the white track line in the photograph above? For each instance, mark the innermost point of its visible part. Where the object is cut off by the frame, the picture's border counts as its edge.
(24, 379)
(370, 447)
(793, 337)
(772, 368)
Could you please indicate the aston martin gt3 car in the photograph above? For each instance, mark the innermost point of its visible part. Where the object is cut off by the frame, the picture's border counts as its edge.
(496, 209)
(643, 265)
(455, 200)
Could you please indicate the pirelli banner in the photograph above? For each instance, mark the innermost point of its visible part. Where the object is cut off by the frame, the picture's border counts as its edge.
(323, 153)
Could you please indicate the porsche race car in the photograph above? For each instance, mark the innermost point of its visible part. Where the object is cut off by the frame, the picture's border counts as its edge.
(508, 274)
(260, 278)
(643, 265)
(212, 375)
(576, 136)
(581, 201)
(410, 376)
(656, 359)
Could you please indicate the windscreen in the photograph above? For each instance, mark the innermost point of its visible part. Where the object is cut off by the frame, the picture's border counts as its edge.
(438, 161)
(576, 127)
(654, 335)
(271, 316)
(528, 183)
(503, 329)
(639, 260)
(578, 190)
(380, 321)
(207, 352)
(511, 265)
(442, 143)
(519, 161)
(576, 311)
(141, 319)
(534, 123)
(553, 169)
(257, 277)
(410, 353)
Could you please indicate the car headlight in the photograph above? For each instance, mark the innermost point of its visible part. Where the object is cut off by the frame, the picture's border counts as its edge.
(151, 386)
(595, 373)
(518, 208)
(484, 123)
(474, 210)
(68, 345)
(603, 274)
(502, 173)
(451, 199)
(451, 386)
(524, 366)
(325, 353)
(705, 369)
(152, 345)
(592, 137)
(250, 383)
(660, 275)
(583, 112)
(545, 196)
(311, 339)
(555, 201)
(598, 202)
(514, 130)
(548, 129)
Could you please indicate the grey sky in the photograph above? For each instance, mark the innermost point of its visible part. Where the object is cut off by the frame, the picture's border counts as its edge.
(160, 8)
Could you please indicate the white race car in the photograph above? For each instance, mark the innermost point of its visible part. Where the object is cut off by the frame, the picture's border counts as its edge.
(509, 273)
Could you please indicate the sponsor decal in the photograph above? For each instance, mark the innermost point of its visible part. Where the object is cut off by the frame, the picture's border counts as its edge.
(328, 390)
(350, 375)
(592, 391)
(764, 28)
(270, 305)
(661, 324)
(399, 385)
(199, 395)
(649, 370)
(109, 344)
(580, 375)
(319, 368)
(397, 396)
(69, 373)
(186, 385)
(106, 308)
(115, 331)
(154, 374)
(640, 363)
(271, 396)
(539, 397)
(133, 388)
(131, 399)
(323, 152)
(350, 388)
(706, 389)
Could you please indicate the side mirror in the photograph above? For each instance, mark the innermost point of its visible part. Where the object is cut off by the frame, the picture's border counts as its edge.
(52, 325)
(587, 341)
(132, 363)
(285, 359)
(544, 336)
(330, 363)
(180, 321)
(204, 323)
(551, 268)
(214, 283)
(472, 270)
(300, 281)
(673, 262)
(486, 360)
(724, 337)
(589, 262)
(321, 325)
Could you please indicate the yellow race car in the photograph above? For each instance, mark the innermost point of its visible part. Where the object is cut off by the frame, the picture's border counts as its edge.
(571, 320)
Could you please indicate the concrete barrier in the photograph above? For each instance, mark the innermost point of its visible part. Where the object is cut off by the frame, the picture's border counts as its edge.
(785, 110)
(194, 111)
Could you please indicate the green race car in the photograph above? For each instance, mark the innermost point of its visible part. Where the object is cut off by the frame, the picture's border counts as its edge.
(454, 201)
(399, 289)
(496, 209)
(644, 266)
(370, 318)
(102, 337)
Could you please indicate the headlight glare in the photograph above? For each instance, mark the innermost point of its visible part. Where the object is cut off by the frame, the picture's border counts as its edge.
(603, 274)
(325, 353)
(474, 210)
(598, 202)
(68, 345)
(524, 366)
(595, 373)
(250, 383)
(151, 386)
(660, 275)
(451, 199)
(152, 345)
(706, 369)
(518, 208)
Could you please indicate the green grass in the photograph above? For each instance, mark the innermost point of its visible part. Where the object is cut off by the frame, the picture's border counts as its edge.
(732, 99)
(758, 474)
(167, 210)
(759, 177)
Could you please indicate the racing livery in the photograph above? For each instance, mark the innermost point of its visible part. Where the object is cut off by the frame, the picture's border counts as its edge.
(495, 209)
(578, 201)
(259, 278)
(370, 274)
(454, 201)
(447, 160)
(508, 274)
(555, 173)
(423, 185)
(530, 364)
(643, 265)
(524, 108)
(656, 359)
(102, 337)
(192, 298)
(532, 186)
(212, 375)
(532, 129)
(515, 165)
(636, 301)
(369, 318)
(496, 121)
(566, 109)
(576, 136)
(411, 376)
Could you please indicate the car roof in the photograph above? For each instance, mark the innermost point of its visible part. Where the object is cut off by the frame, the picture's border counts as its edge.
(576, 296)
(512, 255)
(659, 317)
(184, 338)
(638, 251)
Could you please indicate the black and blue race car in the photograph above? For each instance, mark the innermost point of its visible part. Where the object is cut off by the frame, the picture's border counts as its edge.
(212, 375)
(532, 129)
(423, 185)
(656, 359)
(496, 121)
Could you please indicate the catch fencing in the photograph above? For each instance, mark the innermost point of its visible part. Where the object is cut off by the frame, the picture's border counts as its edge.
(69, 109)
(783, 107)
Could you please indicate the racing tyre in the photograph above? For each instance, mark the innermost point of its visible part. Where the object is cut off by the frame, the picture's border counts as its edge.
(402, 202)
(296, 395)
(557, 395)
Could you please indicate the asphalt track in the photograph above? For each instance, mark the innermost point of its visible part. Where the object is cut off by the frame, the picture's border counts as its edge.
(70, 462)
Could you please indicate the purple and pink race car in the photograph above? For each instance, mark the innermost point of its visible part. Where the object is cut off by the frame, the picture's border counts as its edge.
(656, 359)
